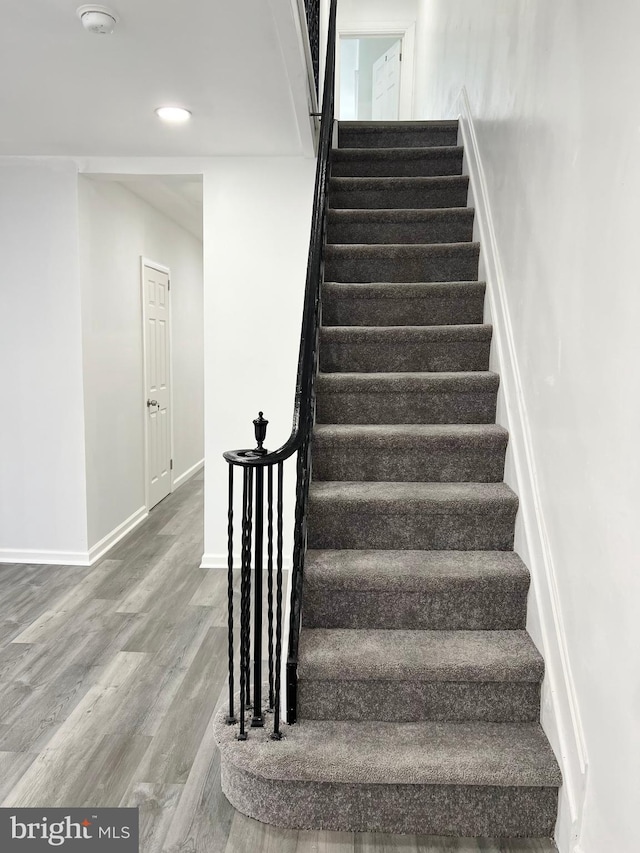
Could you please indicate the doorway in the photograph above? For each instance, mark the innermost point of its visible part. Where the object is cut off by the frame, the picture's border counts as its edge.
(156, 316)
(374, 72)
(370, 78)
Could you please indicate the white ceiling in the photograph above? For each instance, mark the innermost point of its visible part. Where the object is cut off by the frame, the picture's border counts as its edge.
(64, 91)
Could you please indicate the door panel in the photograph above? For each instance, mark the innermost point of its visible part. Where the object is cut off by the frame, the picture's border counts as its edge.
(157, 384)
(386, 85)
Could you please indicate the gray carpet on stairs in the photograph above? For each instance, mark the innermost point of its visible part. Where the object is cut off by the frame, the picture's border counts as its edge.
(425, 675)
(446, 225)
(396, 134)
(434, 778)
(404, 348)
(381, 193)
(418, 685)
(428, 516)
(409, 452)
(402, 304)
(406, 398)
(396, 162)
(446, 590)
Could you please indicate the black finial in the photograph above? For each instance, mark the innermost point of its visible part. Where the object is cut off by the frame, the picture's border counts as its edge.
(260, 429)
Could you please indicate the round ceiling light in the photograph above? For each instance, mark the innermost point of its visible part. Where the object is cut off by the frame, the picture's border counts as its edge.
(176, 115)
(97, 19)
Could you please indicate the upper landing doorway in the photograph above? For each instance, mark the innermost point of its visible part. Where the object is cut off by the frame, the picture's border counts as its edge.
(370, 71)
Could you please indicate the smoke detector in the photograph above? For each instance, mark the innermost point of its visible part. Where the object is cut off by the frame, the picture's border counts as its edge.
(97, 19)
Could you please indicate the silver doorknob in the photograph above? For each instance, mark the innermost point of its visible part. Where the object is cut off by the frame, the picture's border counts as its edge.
(152, 403)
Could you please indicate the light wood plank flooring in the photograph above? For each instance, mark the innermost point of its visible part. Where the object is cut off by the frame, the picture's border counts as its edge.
(109, 678)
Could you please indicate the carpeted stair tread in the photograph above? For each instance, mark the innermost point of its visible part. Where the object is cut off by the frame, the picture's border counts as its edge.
(433, 590)
(440, 225)
(379, 193)
(434, 497)
(410, 383)
(431, 516)
(396, 398)
(341, 654)
(420, 262)
(405, 348)
(412, 570)
(402, 303)
(378, 134)
(397, 162)
(440, 452)
(372, 752)
(399, 334)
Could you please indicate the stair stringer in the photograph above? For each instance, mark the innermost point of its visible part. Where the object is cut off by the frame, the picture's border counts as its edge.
(560, 715)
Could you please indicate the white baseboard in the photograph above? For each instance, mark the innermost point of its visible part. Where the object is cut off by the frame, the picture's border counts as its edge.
(219, 561)
(77, 558)
(559, 714)
(187, 475)
(107, 542)
(49, 558)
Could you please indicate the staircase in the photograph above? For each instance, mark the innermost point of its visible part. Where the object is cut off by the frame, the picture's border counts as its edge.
(418, 685)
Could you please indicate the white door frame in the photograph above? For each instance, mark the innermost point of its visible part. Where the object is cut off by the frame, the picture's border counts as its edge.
(146, 262)
(406, 32)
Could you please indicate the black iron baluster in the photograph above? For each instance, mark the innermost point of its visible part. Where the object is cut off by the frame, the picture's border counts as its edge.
(231, 718)
(247, 569)
(258, 719)
(243, 596)
(276, 716)
(270, 577)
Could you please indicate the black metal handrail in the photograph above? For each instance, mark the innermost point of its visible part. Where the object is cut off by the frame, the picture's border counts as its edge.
(253, 464)
(312, 12)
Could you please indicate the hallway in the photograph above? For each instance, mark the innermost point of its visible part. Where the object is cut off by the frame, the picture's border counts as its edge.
(109, 677)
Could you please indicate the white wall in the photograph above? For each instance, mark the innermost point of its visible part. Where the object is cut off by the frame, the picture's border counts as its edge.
(374, 11)
(116, 229)
(548, 88)
(257, 215)
(41, 427)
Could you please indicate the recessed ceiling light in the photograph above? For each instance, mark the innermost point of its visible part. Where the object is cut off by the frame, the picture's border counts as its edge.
(173, 114)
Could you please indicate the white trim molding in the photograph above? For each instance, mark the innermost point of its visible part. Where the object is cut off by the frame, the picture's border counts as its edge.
(186, 475)
(560, 715)
(45, 558)
(77, 558)
(107, 542)
(219, 561)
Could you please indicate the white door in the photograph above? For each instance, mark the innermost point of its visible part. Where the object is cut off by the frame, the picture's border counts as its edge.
(155, 289)
(386, 85)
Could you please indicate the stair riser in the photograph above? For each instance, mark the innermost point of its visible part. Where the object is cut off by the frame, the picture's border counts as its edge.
(433, 461)
(453, 194)
(388, 167)
(456, 264)
(358, 525)
(452, 810)
(411, 701)
(350, 311)
(428, 408)
(438, 230)
(392, 138)
(405, 356)
(488, 607)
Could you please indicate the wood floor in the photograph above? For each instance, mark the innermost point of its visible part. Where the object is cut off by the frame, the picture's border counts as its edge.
(109, 677)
